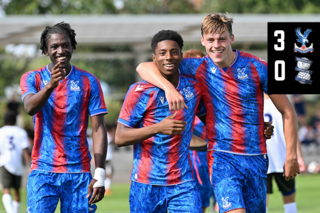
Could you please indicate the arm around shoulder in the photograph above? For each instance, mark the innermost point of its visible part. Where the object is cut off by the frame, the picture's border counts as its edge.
(150, 73)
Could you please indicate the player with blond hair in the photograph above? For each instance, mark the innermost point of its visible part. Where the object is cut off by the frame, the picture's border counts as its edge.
(232, 84)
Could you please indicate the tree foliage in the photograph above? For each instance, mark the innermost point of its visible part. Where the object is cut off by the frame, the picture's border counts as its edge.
(261, 6)
(158, 6)
(60, 7)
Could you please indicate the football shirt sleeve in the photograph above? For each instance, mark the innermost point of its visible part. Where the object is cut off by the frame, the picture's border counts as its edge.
(133, 107)
(189, 66)
(28, 84)
(97, 105)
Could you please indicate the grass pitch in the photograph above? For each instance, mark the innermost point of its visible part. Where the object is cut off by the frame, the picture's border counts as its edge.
(308, 198)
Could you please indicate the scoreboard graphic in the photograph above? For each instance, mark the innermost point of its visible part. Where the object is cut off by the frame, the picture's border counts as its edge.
(294, 57)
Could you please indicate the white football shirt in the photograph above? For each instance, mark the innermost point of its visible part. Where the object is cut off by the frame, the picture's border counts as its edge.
(276, 146)
(13, 140)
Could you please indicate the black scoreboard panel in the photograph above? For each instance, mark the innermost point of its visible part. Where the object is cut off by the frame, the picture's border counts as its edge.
(294, 57)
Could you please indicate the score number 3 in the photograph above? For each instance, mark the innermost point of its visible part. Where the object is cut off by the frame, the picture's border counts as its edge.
(279, 62)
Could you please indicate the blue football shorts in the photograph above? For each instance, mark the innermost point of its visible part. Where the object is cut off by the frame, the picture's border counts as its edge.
(183, 197)
(201, 175)
(239, 181)
(44, 189)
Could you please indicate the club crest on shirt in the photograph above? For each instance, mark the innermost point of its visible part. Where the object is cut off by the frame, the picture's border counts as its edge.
(188, 93)
(226, 204)
(162, 99)
(303, 39)
(304, 75)
(75, 86)
(241, 74)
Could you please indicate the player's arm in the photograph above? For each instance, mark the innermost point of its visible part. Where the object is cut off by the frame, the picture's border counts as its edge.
(126, 136)
(282, 103)
(150, 73)
(300, 157)
(33, 103)
(100, 141)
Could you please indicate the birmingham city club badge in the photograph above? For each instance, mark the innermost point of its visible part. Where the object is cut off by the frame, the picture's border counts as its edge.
(304, 75)
(303, 39)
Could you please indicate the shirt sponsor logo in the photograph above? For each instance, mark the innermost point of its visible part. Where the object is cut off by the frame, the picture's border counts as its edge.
(213, 70)
(303, 39)
(241, 74)
(139, 87)
(226, 204)
(162, 99)
(75, 86)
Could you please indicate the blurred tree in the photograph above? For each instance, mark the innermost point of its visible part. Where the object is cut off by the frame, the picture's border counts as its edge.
(158, 6)
(60, 7)
(11, 71)
(258, 6)
(119, 74)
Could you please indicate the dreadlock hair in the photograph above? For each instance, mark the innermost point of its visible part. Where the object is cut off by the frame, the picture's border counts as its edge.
(57, 29)
(166, 35)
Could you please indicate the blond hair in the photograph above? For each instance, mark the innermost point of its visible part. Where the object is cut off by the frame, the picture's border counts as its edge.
(193, 53)
(216, 23)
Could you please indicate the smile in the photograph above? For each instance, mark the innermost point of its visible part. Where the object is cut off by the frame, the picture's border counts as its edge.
(217, 51)
(169, 65)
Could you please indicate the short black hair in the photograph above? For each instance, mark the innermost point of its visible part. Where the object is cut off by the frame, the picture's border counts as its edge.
(10, 118)
(57, 29)
(166, 35)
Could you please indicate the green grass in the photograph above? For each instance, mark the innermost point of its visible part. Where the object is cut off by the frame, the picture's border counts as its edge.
(308, 198)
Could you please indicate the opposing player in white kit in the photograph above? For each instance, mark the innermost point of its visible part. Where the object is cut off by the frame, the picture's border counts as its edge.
(13, 145)
(276, 147)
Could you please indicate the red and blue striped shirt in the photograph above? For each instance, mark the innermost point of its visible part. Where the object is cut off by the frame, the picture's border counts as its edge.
(161, 159)
(233, 101)
(60, 143)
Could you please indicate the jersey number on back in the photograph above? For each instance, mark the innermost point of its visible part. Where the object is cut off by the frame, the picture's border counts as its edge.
(12, 146)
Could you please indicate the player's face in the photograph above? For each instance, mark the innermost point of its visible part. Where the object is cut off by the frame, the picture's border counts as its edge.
(218, 47)
(59, 50)
(168, 57)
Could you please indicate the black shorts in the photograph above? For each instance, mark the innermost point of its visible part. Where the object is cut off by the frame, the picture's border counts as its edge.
(9, 180)
(285, 187)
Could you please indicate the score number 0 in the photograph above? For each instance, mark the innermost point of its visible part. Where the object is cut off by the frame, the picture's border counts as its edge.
(279, 62)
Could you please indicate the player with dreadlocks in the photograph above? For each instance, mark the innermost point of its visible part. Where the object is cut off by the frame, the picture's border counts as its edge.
(61, 97)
